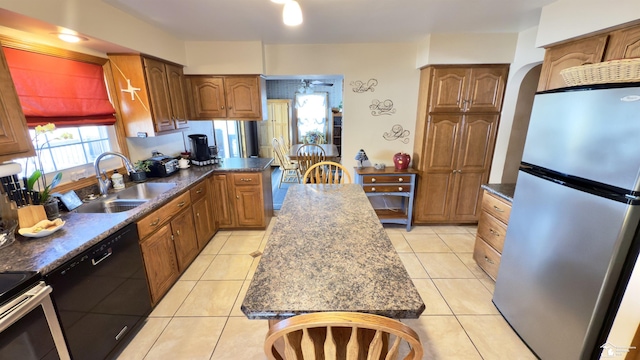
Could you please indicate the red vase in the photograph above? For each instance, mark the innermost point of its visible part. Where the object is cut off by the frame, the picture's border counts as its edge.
(401, 161)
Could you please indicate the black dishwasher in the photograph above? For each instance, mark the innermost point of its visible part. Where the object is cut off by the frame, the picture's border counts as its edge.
(101, 295)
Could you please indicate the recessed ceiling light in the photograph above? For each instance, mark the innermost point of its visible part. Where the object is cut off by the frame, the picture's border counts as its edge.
(70, 38)
(292, 14)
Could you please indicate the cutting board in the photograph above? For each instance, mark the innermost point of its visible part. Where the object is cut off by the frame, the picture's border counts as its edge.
(31, 215)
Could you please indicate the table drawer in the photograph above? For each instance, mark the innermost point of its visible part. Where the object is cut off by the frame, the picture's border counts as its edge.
(156, 219)
(200, 190)
(246, 178)
(486, 257)
(492, 230)
(386, 188)
(373, 179)
(496, 207)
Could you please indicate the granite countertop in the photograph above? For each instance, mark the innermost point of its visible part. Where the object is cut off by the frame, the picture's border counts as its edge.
(504, 191)
(329, 252)
(82, 230)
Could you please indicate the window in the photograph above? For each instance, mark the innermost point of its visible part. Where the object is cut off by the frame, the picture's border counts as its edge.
(312, 111)
(68, 147)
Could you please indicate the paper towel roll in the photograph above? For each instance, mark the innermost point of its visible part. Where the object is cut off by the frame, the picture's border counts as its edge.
(8, 169)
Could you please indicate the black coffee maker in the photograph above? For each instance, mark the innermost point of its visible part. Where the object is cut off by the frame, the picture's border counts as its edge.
(199, 147)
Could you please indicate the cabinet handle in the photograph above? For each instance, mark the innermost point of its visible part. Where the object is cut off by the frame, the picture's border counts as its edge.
(237, 196)
(181, 204)
(399, 188)
(373, 189)
(197, 214)
(497, 209)
(243, 179)
(493, 232)
(373, 180)
(199, 191)
(155, 222)
(178, 232)
(400, 179)
(222, 107)
(488, 260)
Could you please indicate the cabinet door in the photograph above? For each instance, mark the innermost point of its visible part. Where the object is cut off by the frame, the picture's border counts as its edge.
(474, 155)
(266, 135)
(436, 180)
(221, 202)
(14, 136)
(160, 262)
(624, 44)
(575, 53)
(249, 205)
(243, 95)
(175, 82)
(159, 94)
(448, 89)
(204, 221)
(207, 97)
(184, 239)
(486, 89)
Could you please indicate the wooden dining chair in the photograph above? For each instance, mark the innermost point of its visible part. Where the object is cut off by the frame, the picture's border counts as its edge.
(309, 154)
(326, 172)
(341, 336)
(290, 171)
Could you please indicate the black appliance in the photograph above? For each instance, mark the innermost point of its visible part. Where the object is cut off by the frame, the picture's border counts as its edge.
(574, 234)
(101, 295)
(29, 327)
(199, 147)
(162, 166)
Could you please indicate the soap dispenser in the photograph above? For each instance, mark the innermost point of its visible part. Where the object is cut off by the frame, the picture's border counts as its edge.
(117, 180)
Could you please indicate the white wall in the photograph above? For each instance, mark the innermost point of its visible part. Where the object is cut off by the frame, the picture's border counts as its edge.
(471, 48)
(236, 57)
(565, 19)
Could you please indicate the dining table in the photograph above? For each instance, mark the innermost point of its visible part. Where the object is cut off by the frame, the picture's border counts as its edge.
(328, 251)
(330, 151)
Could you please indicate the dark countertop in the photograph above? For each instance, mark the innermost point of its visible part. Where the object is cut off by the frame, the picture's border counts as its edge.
(504, 191)
(81, 231)
(329, 252)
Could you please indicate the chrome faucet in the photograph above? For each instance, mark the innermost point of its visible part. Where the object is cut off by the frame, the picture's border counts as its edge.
(104, 183)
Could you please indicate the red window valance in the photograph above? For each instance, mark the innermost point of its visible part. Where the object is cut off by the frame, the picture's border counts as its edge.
(61, 91)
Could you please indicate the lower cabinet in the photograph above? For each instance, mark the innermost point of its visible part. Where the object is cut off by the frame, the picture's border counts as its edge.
(160, 262)
(492, 229)
(205, 221)
(242, 199)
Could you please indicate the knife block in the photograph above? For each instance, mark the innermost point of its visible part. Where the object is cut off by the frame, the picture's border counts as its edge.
(31, 215)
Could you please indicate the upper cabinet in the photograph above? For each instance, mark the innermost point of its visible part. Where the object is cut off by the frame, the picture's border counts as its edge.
(234, 97)
(468, 89)
(14, 136)
(151, 95)
(624, 44)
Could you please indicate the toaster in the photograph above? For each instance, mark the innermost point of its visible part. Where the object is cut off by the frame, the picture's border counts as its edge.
(162, 166)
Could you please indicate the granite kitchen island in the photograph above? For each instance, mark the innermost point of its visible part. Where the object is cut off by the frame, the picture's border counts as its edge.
(329, 252)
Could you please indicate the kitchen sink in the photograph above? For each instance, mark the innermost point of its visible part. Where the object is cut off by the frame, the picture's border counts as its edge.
(126, 199)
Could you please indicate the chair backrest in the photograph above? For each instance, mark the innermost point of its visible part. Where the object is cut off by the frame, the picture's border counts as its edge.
(278, 150)
(309, 154)
(341, 335)
(326, 172)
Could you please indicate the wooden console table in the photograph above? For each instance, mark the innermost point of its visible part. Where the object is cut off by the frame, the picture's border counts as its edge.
(390, 191)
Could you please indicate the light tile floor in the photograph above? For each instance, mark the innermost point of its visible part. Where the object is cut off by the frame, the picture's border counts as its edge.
(200, 316)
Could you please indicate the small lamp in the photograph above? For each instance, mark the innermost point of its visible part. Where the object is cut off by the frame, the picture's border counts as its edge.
(361, 156)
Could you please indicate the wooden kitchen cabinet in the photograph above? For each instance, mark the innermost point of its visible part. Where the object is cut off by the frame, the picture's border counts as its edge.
(160, 262)
(468, 89)
(556, 58)
(151, 95)
(276, 126)
(242, 199)
(455, 142)
(15, 141)
(624, 44)
(205, 221)
(233, 97)
(184, 238)
(492, 229)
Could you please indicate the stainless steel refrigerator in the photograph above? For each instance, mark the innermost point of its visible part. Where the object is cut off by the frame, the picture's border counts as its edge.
(572, 237)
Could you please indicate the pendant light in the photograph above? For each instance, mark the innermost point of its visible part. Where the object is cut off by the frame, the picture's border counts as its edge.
(292, 14)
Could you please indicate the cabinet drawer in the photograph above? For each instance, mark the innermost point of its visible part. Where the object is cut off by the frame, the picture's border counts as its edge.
(199, 191)
(156, 219)
(492, 230)
(486, 257)
(373, 179)
(386, 188)
(496, 207)
(246, 178)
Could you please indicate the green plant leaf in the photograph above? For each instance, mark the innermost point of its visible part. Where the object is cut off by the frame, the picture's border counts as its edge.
(55, 181)
(32, 179)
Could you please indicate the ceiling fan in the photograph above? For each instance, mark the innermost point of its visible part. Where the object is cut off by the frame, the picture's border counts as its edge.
(307, 85)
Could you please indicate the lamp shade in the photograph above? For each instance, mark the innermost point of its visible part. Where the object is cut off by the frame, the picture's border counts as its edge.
(292, 14)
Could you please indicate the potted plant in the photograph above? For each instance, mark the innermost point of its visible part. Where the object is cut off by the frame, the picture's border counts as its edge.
(314, 137)
(49, 202)
(141, 167)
